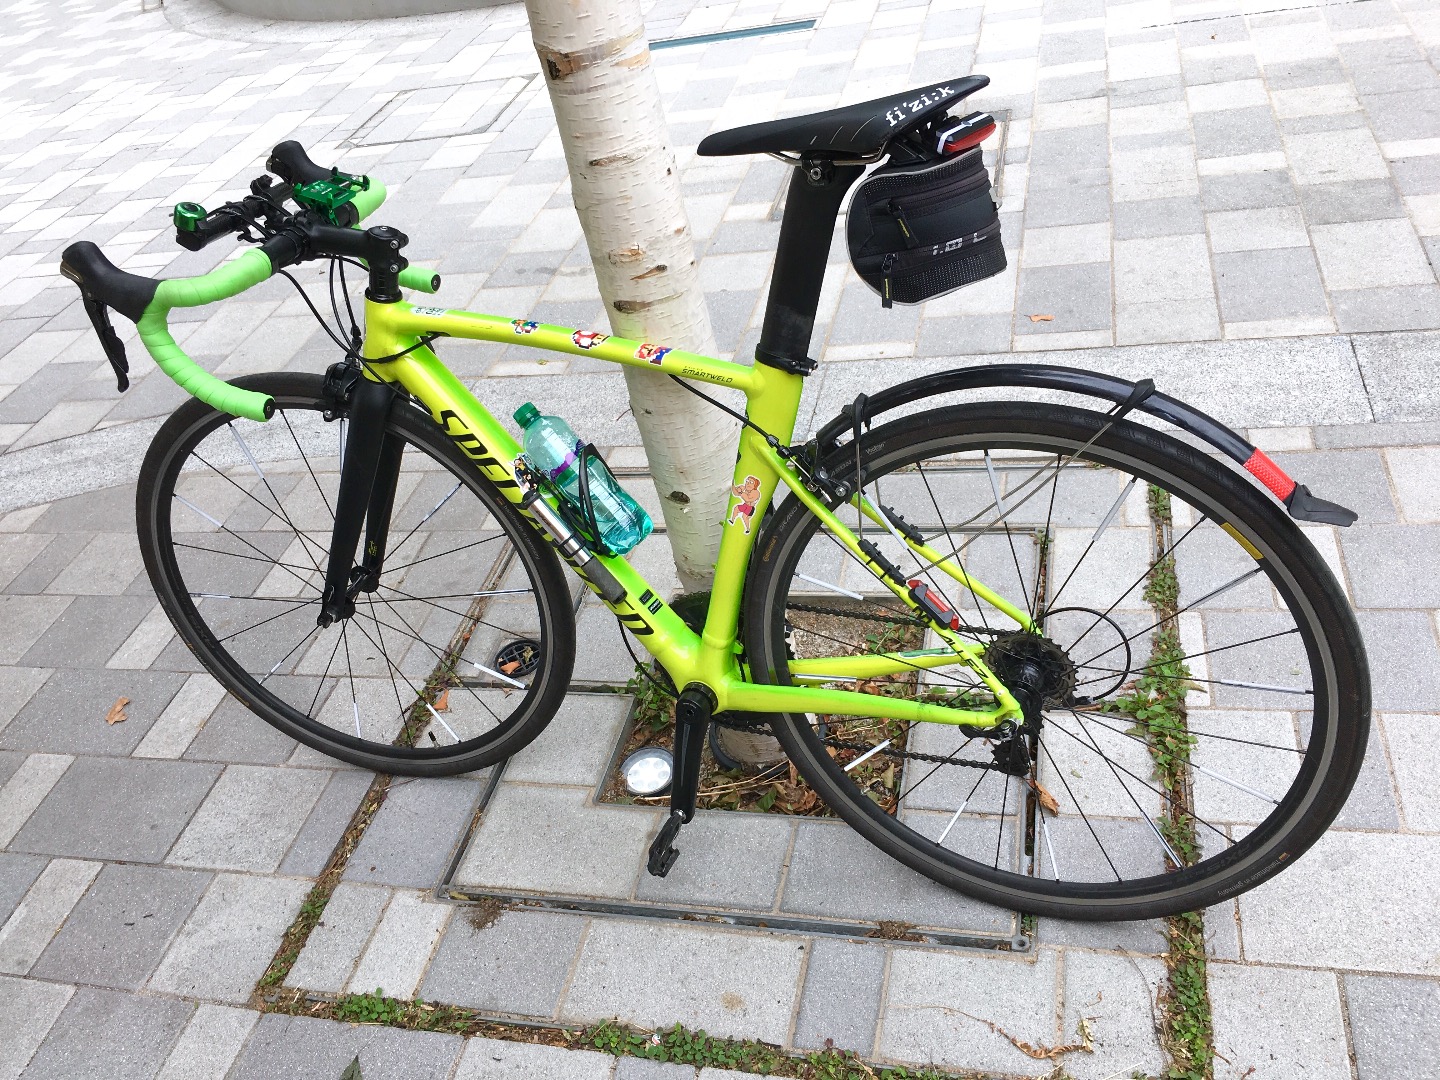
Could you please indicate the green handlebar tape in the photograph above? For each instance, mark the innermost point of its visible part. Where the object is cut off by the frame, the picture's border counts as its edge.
(368, 201)
(235, 277)
(420, 279)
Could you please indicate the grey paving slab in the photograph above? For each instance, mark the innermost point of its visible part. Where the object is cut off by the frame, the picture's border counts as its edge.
(491, 1059)
(1399, 390)
(1302, 1034)
(1116, 997)
(23, 619)
(68, 713)
(518, 965)
(1401, 644)
(1410, 737)
(87, 632)
(833, 872)
(105, 1033)
(209, 1044)
(117, 933)
(1356, 479)
(937, 1004)
(31, 1009)
(1371, 803)
(728, 860)
(304, 1047)
(249, 818)
(1337, 884)
(241, 918)
(400, 948)
(726, 982)
(411, 838)
(17, 874)
(642, 1069)
(233, 734)
(328, 820)
(547, 840)
(1393, 566)
(146, 805)
(18, 686)
(334, 946)
(576, 746)
(1392, 1026)
(840, 1004)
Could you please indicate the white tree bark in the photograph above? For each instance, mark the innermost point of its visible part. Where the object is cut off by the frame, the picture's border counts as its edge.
(596, 62)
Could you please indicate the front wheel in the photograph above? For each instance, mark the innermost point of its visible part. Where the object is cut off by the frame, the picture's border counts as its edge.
(454, 659)
(1200, 687)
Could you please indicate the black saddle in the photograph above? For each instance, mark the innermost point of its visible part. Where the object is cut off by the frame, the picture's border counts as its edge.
(853, 131)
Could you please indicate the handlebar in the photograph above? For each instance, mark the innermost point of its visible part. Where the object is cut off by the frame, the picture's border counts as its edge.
(148, 301)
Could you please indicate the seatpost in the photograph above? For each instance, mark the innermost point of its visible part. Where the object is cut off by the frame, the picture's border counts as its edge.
(817, 189)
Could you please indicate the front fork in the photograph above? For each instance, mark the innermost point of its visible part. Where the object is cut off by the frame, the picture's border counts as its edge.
(368, 474)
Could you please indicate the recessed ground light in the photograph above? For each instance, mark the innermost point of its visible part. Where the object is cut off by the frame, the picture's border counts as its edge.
(648, 771)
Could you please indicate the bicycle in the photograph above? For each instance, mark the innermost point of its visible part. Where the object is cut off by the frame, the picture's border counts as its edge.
(364, 559)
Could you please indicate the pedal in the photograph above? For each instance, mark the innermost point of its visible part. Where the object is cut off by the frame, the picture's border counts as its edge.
(663, 851)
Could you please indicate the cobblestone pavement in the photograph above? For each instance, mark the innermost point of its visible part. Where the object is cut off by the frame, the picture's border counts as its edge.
(1263, 188)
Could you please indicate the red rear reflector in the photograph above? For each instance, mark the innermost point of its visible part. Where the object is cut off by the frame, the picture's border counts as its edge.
(974, 138)
(1269, 474)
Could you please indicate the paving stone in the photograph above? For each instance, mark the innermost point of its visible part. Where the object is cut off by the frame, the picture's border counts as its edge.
(929, 995)
(146, 804)
(534, 839)
(1371, 802)
(303, 1048)
(1354, 478)
(1392, 1026)
(725, 982)
(30, 1009)
(840, 1004)
(240, 918)
(729, 860)
(1398, 390)
(630, 1068)
(1404, 659)
(105, 1033)
(491, 1059)
(517, 965)
(1302, 1034)
(17, 874)
(398, 952)
(68, 713)
(328, 820)
(87, 632)
(1389, 926)
(833, 874)
(1116, 996)
(249, 819)
(411, 839)
(1415, 472)
(18, 686)
(26, 787)
(576, 746)
(1145, 937)
(1370, 254)
(42, 910)
(23, 619)
(1158, 217)
(1078, 297)
(1400, 307)
(334, 946)
(1393, 566)
(209, 1044)
(117, 933)
(1412, 755)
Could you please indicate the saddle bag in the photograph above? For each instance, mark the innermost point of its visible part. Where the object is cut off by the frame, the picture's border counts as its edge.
(924, 228)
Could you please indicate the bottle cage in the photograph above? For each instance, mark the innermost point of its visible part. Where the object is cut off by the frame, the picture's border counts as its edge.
(581, 517)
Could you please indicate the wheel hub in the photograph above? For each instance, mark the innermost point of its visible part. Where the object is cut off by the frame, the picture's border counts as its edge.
(1034, 666)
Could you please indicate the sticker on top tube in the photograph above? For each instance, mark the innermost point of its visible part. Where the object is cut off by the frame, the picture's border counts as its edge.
(431, 311)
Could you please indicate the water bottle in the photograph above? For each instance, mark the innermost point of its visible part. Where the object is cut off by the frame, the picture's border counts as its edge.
(553, 449)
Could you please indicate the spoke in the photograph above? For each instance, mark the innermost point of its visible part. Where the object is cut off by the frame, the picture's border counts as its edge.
(1131, 795)
(439, 656)
(278, 510)
(1205, 652)
(266, 557)
(1105, 524)
(350, 669)
(404, 596)
(297, 605)
(1080, 810)
(1234, 783)
(950, 758)
(949, 539)
(1049, 846)
(419, 524)
(442, 554)
(267, 560)
(1015, 555)
(1000, 832)
(309, 634)
(500, 676)
(899, 659)
(877, 748)
(1188, 607)
(390, 664)
(1095, 718)
(293, 438)
(956, 816)
(389, 667)
(828, 587)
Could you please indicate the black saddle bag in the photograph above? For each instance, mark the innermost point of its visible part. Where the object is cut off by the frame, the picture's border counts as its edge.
(923, 229)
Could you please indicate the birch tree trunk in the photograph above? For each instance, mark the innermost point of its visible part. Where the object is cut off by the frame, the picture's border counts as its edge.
(596, 62)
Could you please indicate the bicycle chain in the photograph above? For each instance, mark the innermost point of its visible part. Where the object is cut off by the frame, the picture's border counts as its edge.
(898, 620)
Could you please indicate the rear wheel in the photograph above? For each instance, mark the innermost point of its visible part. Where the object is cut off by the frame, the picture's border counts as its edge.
(455, 659)
(1200, 687)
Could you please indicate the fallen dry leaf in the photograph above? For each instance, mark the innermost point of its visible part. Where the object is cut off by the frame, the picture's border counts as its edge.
(509, 669)
(442, 703)
(1041, 318)
(1046, 799)
(116, 714)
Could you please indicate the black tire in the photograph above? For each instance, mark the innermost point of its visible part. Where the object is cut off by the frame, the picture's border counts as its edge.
(1322, 763)
(405, 645)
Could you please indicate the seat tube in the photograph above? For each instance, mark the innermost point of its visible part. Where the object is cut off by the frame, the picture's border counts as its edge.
(817, 188)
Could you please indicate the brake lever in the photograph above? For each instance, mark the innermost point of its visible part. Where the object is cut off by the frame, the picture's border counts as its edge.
(109, 340)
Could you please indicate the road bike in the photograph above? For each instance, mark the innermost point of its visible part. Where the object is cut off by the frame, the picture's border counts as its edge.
(1049, 655)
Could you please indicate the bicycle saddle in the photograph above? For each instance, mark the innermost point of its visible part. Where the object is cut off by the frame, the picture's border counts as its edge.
(852, 131)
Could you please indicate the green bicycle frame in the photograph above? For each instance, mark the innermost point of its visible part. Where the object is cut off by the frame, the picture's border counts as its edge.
(709, 658)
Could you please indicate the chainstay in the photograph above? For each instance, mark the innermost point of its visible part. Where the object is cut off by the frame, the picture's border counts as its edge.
(762, 727)
(897, 620)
